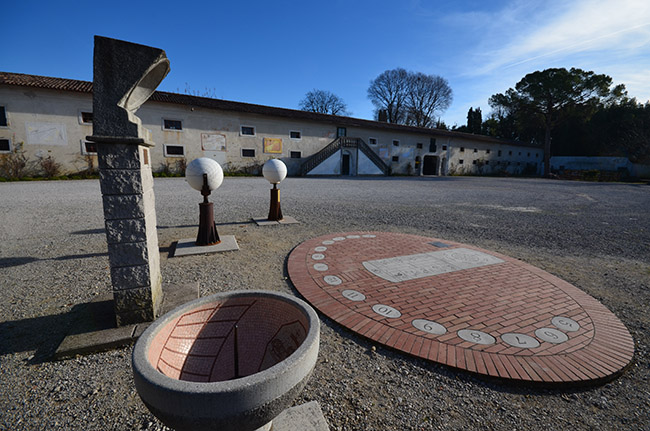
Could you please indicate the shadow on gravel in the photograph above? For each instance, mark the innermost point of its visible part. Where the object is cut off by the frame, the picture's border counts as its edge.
(44, 334)
(6, 262)
(89, 232)
(196, 226)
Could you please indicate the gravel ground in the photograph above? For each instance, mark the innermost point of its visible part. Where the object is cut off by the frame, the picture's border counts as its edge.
(53, 256)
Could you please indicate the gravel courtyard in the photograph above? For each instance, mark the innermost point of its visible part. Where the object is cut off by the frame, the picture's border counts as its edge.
(53, 256)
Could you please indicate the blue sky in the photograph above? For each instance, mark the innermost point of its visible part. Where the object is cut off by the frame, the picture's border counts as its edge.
(273, 52)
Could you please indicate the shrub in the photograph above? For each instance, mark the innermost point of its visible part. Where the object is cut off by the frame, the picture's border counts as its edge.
(13, 165)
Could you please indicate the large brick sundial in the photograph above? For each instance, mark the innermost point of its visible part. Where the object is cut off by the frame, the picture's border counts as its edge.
(461, 306)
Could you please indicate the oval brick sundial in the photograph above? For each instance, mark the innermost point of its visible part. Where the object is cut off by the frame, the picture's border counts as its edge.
(461, 306)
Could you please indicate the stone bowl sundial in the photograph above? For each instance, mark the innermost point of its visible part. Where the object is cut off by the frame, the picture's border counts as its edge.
(230, 361)
(461, 306)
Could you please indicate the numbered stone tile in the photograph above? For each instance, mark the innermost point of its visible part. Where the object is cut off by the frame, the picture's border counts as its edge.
(551, 335)
(318, 256)
(522, 341)
(332, 280)
(477, 337)
(320, 249)
(369, 235)
(429, 326)
(386, 311)
(339, 238)
(328, 242)
(320, 267)
(353, 236)
(565, 324)
(353, 295)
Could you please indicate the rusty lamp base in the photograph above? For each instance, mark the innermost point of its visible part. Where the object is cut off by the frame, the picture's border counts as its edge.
(275, 212)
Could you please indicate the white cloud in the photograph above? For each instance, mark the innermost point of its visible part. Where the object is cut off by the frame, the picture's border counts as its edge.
(585, 26)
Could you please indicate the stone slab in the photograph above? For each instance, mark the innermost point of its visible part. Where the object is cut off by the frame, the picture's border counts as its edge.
(94, 329)
(305, 417)
(188, 247)
(266, 222)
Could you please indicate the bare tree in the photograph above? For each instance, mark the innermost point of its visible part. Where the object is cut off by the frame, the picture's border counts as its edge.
(388, 93)
(427, 96)
(411, 98)
(323, 102)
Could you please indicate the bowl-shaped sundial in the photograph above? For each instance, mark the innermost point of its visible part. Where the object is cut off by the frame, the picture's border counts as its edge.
(461, 306)
(230, 361)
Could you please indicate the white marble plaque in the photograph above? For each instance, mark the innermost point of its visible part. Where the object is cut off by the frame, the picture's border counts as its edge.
(522, 341)
(477, 337)
(409, 267)
(565, 324)
(320, 267)
(318, 256)
(353, 295)
(320, 249)
(369, 235)
(332, 280)
(353, 236)
(551, 335)
(328, 242)
(339, 238)
(386, 311)
(429, 326)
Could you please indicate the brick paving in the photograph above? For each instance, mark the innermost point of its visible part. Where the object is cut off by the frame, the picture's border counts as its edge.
(461, 306)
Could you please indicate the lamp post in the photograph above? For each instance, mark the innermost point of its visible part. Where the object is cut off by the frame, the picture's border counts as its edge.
(275, 171)
(205, 175)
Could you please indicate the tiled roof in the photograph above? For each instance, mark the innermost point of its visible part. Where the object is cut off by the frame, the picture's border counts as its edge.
(62, 84)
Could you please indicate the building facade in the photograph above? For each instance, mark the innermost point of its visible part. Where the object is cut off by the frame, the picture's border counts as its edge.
(51, 117)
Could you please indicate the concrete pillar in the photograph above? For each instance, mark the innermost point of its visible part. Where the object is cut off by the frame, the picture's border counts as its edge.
(125, 76)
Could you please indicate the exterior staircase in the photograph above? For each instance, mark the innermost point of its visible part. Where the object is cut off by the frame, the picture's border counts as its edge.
(337, 144)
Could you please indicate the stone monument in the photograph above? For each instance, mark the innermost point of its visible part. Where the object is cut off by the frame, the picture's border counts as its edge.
(125, 76)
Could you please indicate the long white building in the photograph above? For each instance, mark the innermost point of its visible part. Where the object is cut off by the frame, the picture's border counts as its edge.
(51, 117)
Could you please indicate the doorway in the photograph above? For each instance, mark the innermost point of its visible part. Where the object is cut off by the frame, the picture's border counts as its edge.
(345, 164)
(430, 165)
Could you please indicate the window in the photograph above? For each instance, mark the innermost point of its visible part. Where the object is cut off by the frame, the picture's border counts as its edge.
(247, 131)
(248, 152)
(499, 153)
(396, 158)
(510, 153)
(174, 150)
(395, 143)
(295, 134)
(296, 154)
(476, 150)
(432, 145)
(487, 162)
(462, 149)
(341, 131)
(444, 148)
(172, 124)
(5, 146)
(473, 162)
(85, 117)
(372, 141)
(419, 146)
(88, 148)
(520, 153)
(536, 155)
(528, 154)
(461, 161)
(3, 117)
(487, 151)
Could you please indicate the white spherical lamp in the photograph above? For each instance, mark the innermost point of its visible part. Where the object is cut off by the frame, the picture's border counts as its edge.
(197, 167)
(274, 171)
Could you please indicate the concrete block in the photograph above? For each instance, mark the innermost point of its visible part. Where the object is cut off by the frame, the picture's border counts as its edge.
(187, 246)
(128, 254)
(118, 207)
(122, 182)
(118, 231)
(129, 277)
(118, 156)
(305, 417)
(132, 317)
(132, 299)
